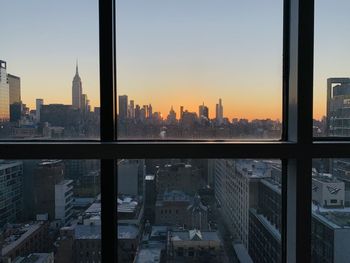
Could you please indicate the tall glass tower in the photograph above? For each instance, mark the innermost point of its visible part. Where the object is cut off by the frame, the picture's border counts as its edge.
(4, 93)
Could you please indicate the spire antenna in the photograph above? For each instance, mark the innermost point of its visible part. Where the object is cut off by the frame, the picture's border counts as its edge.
(76, 67)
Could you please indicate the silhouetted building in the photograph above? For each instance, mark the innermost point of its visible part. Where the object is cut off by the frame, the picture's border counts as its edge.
(131, 174)
(15, 111)
(150, 197)
(77, 90)
(60, 115)
(175, 208)
(123, 107)
(47, 174)
(219, 113)
(23, 239)
(179, 176)
(203, 111)
(128, 242)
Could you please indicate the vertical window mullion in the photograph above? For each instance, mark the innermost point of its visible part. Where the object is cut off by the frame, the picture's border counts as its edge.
(300, 98)
(107, 110)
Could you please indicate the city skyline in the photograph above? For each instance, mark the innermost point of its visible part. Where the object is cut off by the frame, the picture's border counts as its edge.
(46, 61)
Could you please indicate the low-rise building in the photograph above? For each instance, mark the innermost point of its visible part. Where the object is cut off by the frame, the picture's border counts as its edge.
(327, 191)
(128, 241)
(23, 239)
(194, 246)
(130, 210)
(63, 200)
(179, 176)
(175, 208)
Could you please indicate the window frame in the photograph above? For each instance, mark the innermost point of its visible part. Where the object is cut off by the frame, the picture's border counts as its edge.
(296, 148)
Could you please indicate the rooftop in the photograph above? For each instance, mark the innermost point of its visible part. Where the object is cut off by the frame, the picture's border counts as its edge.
(174, 195)
(272, 184)
(127, 204)
(87, 231)
(253, 168)
(326, 178)
(194, 235)
(148, 255)
(127, 231)
(95, 208)
(35, 258)
(149, 177)
(335, 217)
(49, 162)
(18, 234)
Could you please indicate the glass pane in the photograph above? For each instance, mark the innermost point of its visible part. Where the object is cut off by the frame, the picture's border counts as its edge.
(50, 211)
(199, 69)
(331, 74)
(331, 210)
(199, 210)
(49, 70)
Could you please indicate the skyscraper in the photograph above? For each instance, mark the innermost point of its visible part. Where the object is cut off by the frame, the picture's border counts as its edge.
(77, 90)
(219, 113)
(149, 111)
(338, 107)
(84, 100)
(14, 88)
(203, 111)
(4, 93)
(131, 109)
(123, 107)
(39, 103)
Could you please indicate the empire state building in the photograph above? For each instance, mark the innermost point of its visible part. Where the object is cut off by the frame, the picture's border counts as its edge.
(77, 90)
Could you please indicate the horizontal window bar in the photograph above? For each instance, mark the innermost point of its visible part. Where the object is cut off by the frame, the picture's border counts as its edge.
(111, 150)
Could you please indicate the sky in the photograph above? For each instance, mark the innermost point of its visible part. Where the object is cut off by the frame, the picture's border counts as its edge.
(170, 52)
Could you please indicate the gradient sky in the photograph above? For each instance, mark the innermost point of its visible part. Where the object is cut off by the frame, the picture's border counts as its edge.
(41, 40)
(170, 52)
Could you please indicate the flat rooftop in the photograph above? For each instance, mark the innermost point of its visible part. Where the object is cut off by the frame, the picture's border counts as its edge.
(95, 208)
(87, 231)
(326, 178)
(127, 231)
(195, 235)
(49, 162)
(272, 184)
(127, 204)
(35, 258)
(20, 233)
(148, 255)
(334, 217)
(149, 177)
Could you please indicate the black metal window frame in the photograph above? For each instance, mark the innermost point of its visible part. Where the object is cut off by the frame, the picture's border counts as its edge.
(296, 148)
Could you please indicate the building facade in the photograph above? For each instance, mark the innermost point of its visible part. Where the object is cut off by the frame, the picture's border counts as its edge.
(4, 93)
(11, 191)
(14, 88)
(46, 175)
(338, 107)
(63, 200)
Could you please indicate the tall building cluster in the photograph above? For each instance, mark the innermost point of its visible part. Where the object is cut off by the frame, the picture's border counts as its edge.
(46, 120)
(128, 110)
